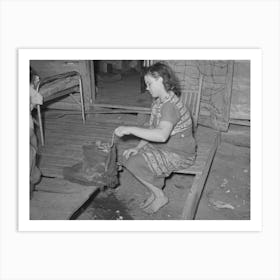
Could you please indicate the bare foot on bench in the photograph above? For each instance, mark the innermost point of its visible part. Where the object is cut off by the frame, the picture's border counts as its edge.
(158, 203)
(147, 202)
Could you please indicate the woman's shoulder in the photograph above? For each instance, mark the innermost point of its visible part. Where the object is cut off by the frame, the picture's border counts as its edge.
(170, 110)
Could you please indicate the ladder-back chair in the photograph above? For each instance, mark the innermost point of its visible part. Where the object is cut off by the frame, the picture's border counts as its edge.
(204, 158)
(57, 86)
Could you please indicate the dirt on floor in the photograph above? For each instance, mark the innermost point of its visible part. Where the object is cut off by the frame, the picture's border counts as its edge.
(226, 194)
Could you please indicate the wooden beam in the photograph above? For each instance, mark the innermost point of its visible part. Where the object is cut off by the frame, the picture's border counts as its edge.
(240, 122)
(228, 91)
(92, 81)
(114, 106)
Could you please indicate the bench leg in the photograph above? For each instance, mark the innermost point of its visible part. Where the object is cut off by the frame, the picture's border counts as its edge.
(193, 198)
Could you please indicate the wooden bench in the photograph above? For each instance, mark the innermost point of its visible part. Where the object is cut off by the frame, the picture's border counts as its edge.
(204, 159)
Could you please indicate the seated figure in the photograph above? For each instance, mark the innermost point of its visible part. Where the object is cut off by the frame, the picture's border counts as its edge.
(35, 98)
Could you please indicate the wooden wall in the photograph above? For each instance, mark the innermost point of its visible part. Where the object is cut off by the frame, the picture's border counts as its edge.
(240, 99)
(225, 90)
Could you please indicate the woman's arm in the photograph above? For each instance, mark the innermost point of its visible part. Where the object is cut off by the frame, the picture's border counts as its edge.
(159, 134)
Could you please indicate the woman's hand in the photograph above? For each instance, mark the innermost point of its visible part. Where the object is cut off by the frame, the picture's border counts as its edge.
(35, 98)
(130, 152)
(122, 130)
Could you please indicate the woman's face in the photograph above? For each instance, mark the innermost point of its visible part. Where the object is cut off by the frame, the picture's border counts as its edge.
(154, 85)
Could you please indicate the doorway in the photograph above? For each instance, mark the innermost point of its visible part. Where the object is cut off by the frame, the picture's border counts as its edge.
(121, 83)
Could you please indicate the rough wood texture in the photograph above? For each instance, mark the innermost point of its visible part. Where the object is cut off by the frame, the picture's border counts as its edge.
(90, 65)
(46, 68)
(192, 100)
(227, 96)
(200, 162)
(53, 87)
(56, 198)
(238, 135)
(46, 205)
(202, 172)
(128, 107)
(65, 137)
(216, 95)
(240, 100)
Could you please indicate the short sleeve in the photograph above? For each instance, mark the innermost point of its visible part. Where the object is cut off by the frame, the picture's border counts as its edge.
(170, 113)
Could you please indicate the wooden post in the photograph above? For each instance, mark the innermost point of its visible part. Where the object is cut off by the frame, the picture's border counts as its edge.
(227, 95)
(92, 81)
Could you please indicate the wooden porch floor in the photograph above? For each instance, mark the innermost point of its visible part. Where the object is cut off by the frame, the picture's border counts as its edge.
(65, 134)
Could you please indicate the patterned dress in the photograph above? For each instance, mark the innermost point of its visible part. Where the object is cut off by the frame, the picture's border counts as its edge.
(155, 161)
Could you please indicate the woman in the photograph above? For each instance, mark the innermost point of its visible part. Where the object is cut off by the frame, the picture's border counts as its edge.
(168, 144)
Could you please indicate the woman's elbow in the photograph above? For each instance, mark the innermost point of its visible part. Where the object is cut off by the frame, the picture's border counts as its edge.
(163, 138)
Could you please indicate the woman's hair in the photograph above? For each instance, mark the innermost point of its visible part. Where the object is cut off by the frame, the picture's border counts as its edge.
(162, 70)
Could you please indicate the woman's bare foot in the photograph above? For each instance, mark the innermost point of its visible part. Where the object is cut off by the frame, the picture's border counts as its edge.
(147, 202)
(158, 203)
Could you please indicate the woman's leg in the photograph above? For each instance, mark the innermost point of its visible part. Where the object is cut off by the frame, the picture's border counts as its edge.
(138, 167)
(157, 199)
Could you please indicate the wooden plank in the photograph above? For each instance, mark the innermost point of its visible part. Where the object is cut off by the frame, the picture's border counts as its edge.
(83, 130)
(93, 119)
(62, 151)
(195, 193)
(240, 122)
(54, 140)
(56, 160)
(52, 165)
(228, 91)
(43, 213)
(197, 168)
(237, 135)
(53, 135)
(71, 117)
(136, 108)
(52, 171)
(58, 185)
(92, 81)
(86, 80)
(56, 206)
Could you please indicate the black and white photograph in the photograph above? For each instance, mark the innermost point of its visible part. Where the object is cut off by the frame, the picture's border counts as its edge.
(140, 139)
